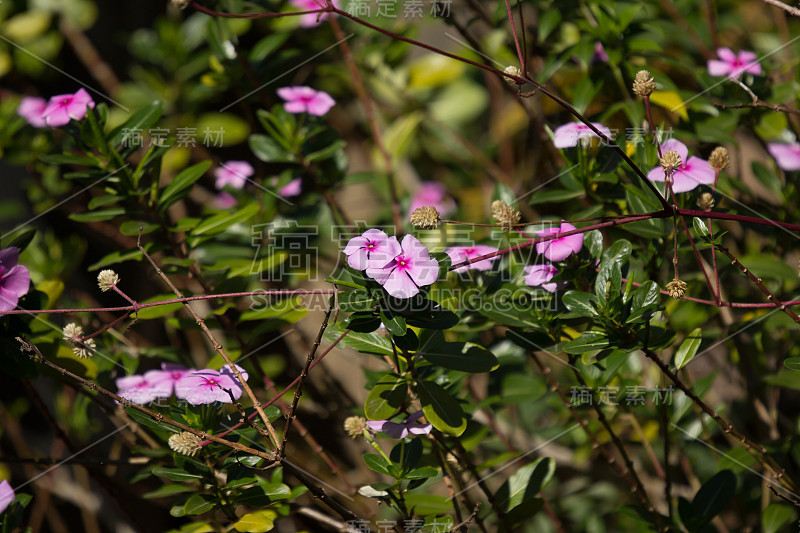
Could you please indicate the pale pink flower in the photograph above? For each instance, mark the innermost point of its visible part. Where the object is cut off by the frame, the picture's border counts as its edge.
(6, 495)
(307, 21)
(306, 100)
(15, 280)
(233, 173)
(224, 200)
(560, 248)
(293, 188)
(459, 254)
(208, 386)
(166, 378)
(143, 389)
(65, 107)
(786, 155)
(600, 52)
(732, 65)
(31, 109)
(433, 194)
(411, 269)
(372, 249)
(401, 430)
(692, 172)
(540, 276)
(568, 135)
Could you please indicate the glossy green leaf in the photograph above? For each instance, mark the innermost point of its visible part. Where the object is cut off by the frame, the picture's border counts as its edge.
(581, 303)
(441, 409)
(792, 363)
(357, 300)
(257, 522)
(180, 184)
(220, 222)
(386, 397)
(98, 216)
(371, 343)
(587, 342)
(461, 356)
(377, 463)
(775, 516)
(714, 495)
(139, 122)
(688, 348)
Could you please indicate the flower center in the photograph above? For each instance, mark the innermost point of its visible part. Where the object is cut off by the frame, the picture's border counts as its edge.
(65, 101)
(371, 246)
(404, 263)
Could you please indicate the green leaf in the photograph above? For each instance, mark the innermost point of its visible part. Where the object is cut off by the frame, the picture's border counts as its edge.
(175, 474)
(139, 121)
(441, 409)
(98, 216)
(198, 504)
(775, 516)
(258, 522)
(688, 348)
(168, 490)
(461, 356)
(377, 463)
(560, 195)
(700, 228)
(386, 397)
(588, 341)
(363, 322)
(394, 323)
(581, 303)
(371, 343)
(646, 294)
(792, 363)
(520, 491)
(714, 495)
(268, 150)
(218, 223)
(407, 453)
(769, 267)
(357, 300)
(159, 310)
(179, 186)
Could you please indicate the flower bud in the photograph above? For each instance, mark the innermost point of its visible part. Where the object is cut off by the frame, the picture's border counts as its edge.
(670, 161)
(513, 71)
(505, 215)
(82, 348)
(676, 288)
(180, 4)
(107, 279)
(355, 426)
(643, 84)
(185, 443)
(718, 160)
(706, 201)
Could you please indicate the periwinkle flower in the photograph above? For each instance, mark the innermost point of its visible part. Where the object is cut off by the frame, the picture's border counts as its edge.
(371, 249)
(459, 254)
(690, 173)
(65, 107)
(31, 108)
(233, 173)
(6, 495)
(306, 100)
(540, 276)
(209, 386)
(733, 65)
(559, 248)
(786, 155)
(433, 194)
(568, 135)
(401, 430)
(411, 269)
(15, 280)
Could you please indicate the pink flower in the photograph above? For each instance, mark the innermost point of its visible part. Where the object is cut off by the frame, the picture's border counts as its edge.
(144, 389)
(401, 430)
(65, 107)
(600, 52)
(15, 280)
(31, 109)
(411, 269)
(433, 194)
(560, 248)
(233, 173)
(372, 249)
(692, 172)
(732, 65)
(208, 386)
(307, 21)
(224, 200)
(167, 377)
(293, 188)
(306, 100)
(459, 254)
(568, 135)
(540, 275)
(786, 155)
(6, 495)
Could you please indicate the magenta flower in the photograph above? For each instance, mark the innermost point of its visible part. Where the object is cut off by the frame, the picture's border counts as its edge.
(15, 280)
(692, 172)
(144, 389)
(208, 386)
(307, 21)
(411, 269)
(433, 194)
(732, 65)
(560, 248)
(401, 430)
(233, 173)
(540, 275)
(167, 377)
(6, 495)
(786, 155)
(568, 135)
(459, 254)
(306, 100)
(600, 52)
(372, 249)
(224, 200)
(65, 107)
(31, 109)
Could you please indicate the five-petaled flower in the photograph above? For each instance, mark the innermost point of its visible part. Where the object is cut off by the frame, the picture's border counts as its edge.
(6, 495)
(233, 173)
(143, 389)
(31, 109)
(209, 386)
(459, 254)
(372, 249)
(433, 194)
(559, 248)
(732, 65)
(311, 19)
(401, 430)
(568, 135)
(306, 100)
(689, 174)
(411, 269)
(540, 276)
(786, 155)
(15, 280)
(65, 107)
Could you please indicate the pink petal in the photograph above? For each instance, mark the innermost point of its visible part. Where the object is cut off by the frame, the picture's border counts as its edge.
(457, 255)
(293, 188)
(6, 495)
(56, 116)
(376, 425)
(786, 155)
(16, 281)
(399, 284)
(726, 54)
(566, 136)
(695, 172)
(295, 93)
(31, 108)
(425, 272)
(295, 107)
(718, 68)
(320, 104)
(657, 174)
(676, 146)
(8, 258)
